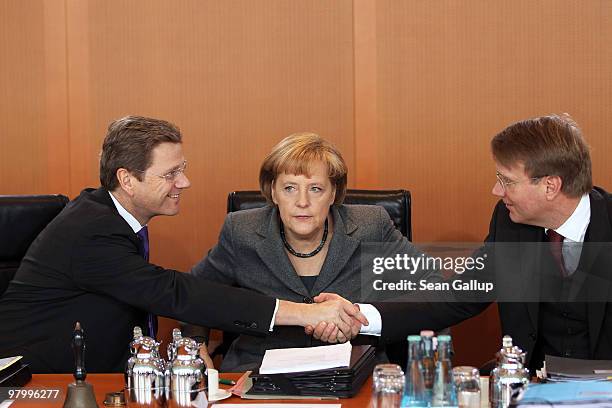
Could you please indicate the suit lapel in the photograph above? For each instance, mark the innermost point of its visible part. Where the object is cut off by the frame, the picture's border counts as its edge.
(597, 273)
(340, 251)
(271, 251)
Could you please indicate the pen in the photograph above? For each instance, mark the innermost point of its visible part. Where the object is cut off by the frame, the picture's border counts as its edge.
(226, 382)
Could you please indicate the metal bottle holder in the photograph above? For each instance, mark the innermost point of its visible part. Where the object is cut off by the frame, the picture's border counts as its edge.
(509, 375)
(145, 375)
(153, 382)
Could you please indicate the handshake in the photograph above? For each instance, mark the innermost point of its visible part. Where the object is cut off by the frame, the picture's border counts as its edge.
(331, 318)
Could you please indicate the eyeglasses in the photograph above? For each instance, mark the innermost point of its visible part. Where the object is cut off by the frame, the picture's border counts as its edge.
(504, 182)
(172, 175)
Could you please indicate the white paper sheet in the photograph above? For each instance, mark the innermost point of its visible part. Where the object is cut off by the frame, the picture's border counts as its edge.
(285, 405)
(6, 362)
(291, 360)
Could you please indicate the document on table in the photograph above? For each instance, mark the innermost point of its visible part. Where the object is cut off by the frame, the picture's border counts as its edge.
(292, 360)
(570, 369)
(285, 405)
(7, 362)
(568, 394)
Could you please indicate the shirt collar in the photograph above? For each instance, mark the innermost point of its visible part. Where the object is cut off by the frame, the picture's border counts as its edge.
(574, 228)
(129, 218)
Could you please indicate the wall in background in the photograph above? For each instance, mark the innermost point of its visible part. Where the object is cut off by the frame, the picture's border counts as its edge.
(410, 91)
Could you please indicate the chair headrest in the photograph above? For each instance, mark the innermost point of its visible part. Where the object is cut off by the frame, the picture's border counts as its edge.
(396, 202)
(22, 218)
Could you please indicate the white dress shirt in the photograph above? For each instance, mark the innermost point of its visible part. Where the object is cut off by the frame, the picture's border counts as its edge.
(129, 218)
(574, 230)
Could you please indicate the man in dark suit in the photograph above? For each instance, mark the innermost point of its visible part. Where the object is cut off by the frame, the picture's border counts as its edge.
(549, 250)
(90, 264)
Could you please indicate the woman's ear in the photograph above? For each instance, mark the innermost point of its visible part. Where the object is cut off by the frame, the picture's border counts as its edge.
(272, 192)
(333, 196)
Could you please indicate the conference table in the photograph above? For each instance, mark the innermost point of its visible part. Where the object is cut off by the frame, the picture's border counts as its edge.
(107, 383)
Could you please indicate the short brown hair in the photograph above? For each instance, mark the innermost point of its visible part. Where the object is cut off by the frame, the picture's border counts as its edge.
(547, 146)
(129, 144)
(294, 154)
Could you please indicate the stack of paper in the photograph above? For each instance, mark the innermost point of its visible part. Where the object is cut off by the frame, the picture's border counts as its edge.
(285, 405)
(9, 361)
(292, 360)
(336, 371)
(570, 369)
(574, 394)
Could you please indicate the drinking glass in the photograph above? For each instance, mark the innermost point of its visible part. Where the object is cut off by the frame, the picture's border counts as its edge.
(467, 383)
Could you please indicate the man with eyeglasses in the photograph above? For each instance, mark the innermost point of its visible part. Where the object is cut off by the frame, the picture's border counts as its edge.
(551, 260)
(90, 264)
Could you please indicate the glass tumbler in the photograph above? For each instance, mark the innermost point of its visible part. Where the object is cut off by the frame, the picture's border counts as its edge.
(467, 383)
(388, 386)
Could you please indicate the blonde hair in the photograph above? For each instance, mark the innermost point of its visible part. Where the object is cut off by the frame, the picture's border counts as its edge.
(295, 154)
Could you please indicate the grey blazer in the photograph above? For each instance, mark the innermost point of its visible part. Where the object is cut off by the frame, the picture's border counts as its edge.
(250, 254)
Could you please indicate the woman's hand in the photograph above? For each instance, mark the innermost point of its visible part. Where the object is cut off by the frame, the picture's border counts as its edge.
(330, 332)
(330, 308)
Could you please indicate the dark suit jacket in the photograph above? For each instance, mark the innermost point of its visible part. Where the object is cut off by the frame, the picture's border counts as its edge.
(250, 254)
(520, 319)
(85, 267)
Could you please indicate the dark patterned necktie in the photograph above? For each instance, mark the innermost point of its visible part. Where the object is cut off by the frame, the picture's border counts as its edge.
(143, 238)
(556, 248)
(143, 235)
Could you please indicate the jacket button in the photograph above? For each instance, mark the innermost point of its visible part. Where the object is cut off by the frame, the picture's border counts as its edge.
(532, 335)
(238, 323)
(253, 325)
(308, 299)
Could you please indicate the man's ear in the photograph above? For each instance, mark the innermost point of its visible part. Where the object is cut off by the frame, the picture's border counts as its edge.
(126, 180)
(553, 186)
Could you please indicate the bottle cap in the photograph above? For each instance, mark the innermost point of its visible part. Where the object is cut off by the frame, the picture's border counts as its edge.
(413, 338)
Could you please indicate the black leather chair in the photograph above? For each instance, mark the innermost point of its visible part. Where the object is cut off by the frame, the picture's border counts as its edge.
(22, 217)
(396, 202)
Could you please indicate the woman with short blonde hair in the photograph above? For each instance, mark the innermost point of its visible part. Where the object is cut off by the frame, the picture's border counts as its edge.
(303, 243)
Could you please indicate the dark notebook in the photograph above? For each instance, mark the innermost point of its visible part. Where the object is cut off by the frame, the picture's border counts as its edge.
(343, 382)
(13, 373)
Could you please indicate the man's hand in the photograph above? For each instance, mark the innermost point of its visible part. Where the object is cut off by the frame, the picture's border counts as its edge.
(328, 331)
(339, 314)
